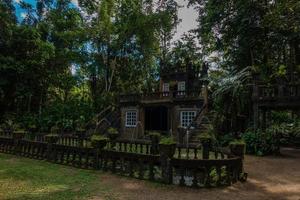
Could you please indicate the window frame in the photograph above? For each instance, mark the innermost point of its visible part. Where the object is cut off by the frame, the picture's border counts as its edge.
(164, 87)
(130, 124)
(182, 117)
(180, 85)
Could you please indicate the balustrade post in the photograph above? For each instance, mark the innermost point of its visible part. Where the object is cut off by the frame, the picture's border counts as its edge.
(239, 150)
(80, 135)
(113, 134)
(98, 145)
(154, 144)
(17, 137)
(206, 144)
(51, 139)
(166, 154)
(280, 91)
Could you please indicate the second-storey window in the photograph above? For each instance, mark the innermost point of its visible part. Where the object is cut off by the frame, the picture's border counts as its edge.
(131, 118)
(166, 87)
(181, 86)
(186, 118)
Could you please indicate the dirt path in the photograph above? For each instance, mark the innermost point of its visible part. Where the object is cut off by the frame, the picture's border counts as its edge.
(270, 178)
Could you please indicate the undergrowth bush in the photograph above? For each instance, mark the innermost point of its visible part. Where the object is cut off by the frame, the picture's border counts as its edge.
(261, 143)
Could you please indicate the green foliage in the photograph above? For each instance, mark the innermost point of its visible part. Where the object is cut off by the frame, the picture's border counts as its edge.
(237, 142)
(205, 136)
(167, 141)
(56, 61)
(10, 124)
(231, 96)
(250, 33)
(261, 143)
(154, 134)
(288, 132)
(55, 130)
(281, 117)
(112, 131)
(99, 138)
(224, 140)
(52, 135)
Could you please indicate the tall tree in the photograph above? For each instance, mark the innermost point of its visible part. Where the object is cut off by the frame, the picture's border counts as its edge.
(123, 45)
(262, 34)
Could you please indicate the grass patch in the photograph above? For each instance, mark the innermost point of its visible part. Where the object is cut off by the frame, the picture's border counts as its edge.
(22, 178)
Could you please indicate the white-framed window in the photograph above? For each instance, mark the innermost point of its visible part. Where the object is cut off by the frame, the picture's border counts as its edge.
(181, 86)
(166, 87)
(131, 118)
(186, 118)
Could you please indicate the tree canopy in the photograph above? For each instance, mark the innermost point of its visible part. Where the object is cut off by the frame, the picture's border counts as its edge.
(60, 57)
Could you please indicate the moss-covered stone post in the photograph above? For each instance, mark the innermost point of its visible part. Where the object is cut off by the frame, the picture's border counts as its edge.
(154, 137)
(98, 143)
(238, 149)
(80, 135)
(17, 137)
(51, 139)
(167, 151)
(112, 134)
(206, 144)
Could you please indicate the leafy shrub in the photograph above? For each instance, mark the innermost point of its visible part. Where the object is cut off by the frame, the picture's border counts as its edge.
(237, 142)
(10, 125)
(154, 134)
(261, 143)
(55, 130)
(281, 117)
(167, 141)
(29, 121)
(98, 138)
(224, 140)
(112, 131)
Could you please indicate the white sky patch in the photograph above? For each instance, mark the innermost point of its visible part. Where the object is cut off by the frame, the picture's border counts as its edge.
(73, 69)
(23, 15)
(188, 17)
(17, 1)
(73, 1)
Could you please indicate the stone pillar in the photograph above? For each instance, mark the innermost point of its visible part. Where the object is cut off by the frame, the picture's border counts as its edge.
(154, 144)
(97, 153)
(166, 154)
(264, 120)
(51, 140)
(255, 96)
(98, 145)
(206, 143)
(239, 150)
(255, 116)
(17, 137)
(205, 96)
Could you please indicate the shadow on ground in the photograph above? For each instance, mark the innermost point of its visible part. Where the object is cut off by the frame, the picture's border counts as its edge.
(270, 178)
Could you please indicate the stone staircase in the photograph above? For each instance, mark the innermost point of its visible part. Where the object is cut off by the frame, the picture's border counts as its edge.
(202, 124)
(108, 118)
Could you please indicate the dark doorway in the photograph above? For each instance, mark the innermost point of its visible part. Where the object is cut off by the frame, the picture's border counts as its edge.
(156, 118)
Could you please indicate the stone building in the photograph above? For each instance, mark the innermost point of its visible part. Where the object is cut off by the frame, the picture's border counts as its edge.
(179, 100)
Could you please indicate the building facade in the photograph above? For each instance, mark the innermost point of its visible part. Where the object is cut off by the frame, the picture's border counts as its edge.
(180, 97)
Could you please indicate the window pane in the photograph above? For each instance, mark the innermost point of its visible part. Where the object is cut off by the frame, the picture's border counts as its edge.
(166, 87)
(181, 86)
(131, 118)
(187, 117)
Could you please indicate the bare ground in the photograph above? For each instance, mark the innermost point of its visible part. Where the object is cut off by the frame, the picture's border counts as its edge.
(270, 178)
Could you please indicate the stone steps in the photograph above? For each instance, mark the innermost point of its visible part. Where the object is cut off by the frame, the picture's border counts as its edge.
(200, 128)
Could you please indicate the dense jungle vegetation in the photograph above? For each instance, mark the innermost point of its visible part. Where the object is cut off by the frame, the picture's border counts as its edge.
(61, 64)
